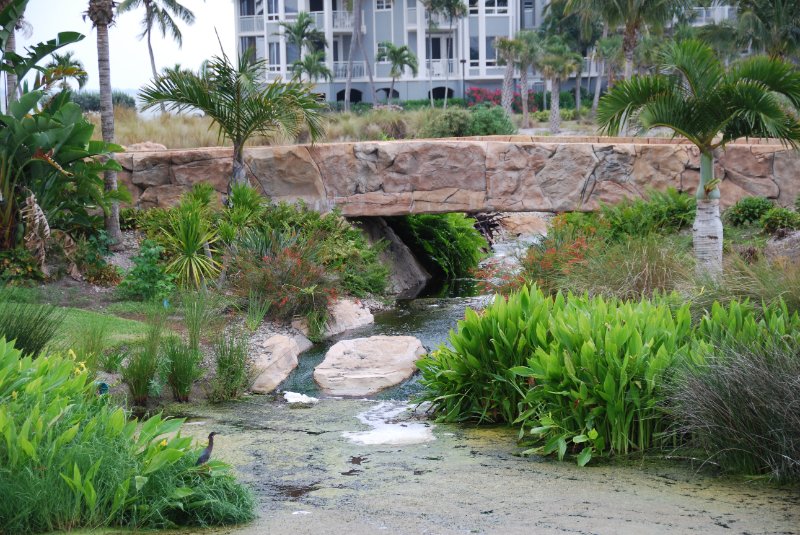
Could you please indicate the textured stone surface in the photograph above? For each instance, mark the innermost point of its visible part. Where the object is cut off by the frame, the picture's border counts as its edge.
(502, 173)
(364, 366)
(274, 363)
(786, 249)
(343, 315)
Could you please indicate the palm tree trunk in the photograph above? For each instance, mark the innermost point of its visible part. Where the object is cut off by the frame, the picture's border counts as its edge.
(523, 79)
(507, 97)
(153, 62)
(429, 60)
(447, 64)
(107, 128)
(239, 176)
(353, 42)
(628, 46)
(391, 91)
(578, 81)
(598, 84)
(367, 63)
(555, 102)
(707, 228)
(11, 78)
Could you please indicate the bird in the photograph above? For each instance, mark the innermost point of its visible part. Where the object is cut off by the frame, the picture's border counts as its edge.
(206, 455)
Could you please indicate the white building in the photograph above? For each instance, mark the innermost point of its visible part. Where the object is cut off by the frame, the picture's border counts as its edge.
(459, 57)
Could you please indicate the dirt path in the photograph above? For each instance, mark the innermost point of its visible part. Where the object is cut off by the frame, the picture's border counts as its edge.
(309, 478)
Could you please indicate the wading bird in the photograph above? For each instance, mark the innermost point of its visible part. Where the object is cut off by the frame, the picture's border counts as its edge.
(206, 455)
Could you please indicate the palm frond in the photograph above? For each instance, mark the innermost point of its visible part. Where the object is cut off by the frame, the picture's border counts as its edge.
(777, 75)
(696, 62)
(627, 97)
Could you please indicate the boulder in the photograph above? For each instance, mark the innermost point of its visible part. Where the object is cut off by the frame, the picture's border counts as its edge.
(276, 359)
(785, 250)
(345, 314)
(524, 224)
(364, 366)
(145, 146)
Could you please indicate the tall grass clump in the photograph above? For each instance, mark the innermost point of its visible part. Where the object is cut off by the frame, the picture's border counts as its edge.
(31, 326)
(741, 406)
(257, 309)
(183, 366)
(72, 460)
(233, 376)
(144, 360)
(91, 342)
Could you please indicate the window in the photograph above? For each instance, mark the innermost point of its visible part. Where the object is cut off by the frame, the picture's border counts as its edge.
(436, 52)
(491, 52)
(274, 54)
(496, 7)
(473, 7)
(273, 12)
(383, 5)
(316, 6)
(382, 50)
(290, 7)
(248, 8)
(474, 51)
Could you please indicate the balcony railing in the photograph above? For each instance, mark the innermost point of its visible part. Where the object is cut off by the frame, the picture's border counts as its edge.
(702, 16)
(342, 20)
(319, 19)
(438, 67)
(411, 16)
(340, 69)
(251, 23)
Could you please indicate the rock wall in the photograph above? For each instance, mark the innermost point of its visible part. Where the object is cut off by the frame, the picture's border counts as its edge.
(498, 173)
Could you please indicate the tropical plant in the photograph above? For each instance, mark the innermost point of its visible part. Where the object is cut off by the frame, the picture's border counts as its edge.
(64, 67)
(30, 326)
(233, 375)
(779, 219)
(556, 62)
(508, 50)
(452, 10)
(102, 469)
(147, 280)
(697, 98)
(234, 97)
(769, 27)
(609, 50)
(312, 65)
(182, 364)
(145, 361)
(303, 34)
(101, 13)
(530, 48)
(189, 238)
(400, 57)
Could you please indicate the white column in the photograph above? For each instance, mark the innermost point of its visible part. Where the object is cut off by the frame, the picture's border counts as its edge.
(482, 37)
(422, 30)
(328, 15)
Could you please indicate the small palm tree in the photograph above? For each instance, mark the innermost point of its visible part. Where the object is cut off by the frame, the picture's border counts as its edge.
(697, 98)
(313, 66)
(453, 10)
(101, 13)
(400, 57)
(556, 62)
(530, 48)
(770, 26)
(159, 13)
(303, 34)
(238, 101)
(63, 67)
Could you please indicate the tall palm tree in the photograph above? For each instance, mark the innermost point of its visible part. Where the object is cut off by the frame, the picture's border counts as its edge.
(66, 66)
(159, 13)
(609, 50)
(237, 100)
(356, 43)
(556, 62)
(632, 15)
(313, 66)
(508, 52)
(400, 57)
(770, 27)
(101, 13)
(15, 13)
(530, 48)
(453, 10)
(696, 97)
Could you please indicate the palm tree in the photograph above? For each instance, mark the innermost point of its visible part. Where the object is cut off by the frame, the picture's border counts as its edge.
(508, 52)
(356, 43)
(65, 66)
(303, 34)
(530, 48)
(633, 15)
(400, 57)
(770, 27)
(16, 19)
(609, 50)
(313, 66)
(101, 13)
(238, 101)
(160, 13)
(453, 10)
(696, 97)
(556, 62)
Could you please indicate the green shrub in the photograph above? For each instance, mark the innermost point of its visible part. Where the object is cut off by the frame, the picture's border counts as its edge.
(233, 376)
(452, 122)
(127, 218)
(448, 244)
(90, 100)
(747, 211)
(147, 280)
(662, 212)
(740, 407)
(779, 219)
(71, 459)
(201, 310)
(31, 326)
(18, 265)
(489, 121)
(409, 105)
(90, 342)
(182, 363)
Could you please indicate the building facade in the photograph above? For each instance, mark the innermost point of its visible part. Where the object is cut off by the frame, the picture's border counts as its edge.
(455, 56)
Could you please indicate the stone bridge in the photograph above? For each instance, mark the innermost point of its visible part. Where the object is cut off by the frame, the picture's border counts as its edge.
(497, 173)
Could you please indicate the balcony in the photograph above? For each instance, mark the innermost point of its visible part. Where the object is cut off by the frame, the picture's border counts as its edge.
(251, 23)
(319, 19)
(411, 16)
(340, 69)
(342, 21)
(702, 16)
(438, 67)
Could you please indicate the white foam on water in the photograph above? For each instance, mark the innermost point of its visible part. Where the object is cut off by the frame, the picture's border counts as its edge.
(385, 432)
(294, 397)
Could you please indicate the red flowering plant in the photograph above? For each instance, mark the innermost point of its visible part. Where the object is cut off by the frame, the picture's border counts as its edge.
(479, 95)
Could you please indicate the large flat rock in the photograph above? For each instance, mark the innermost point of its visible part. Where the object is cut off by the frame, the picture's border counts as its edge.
(276, 359)
(364, 366)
